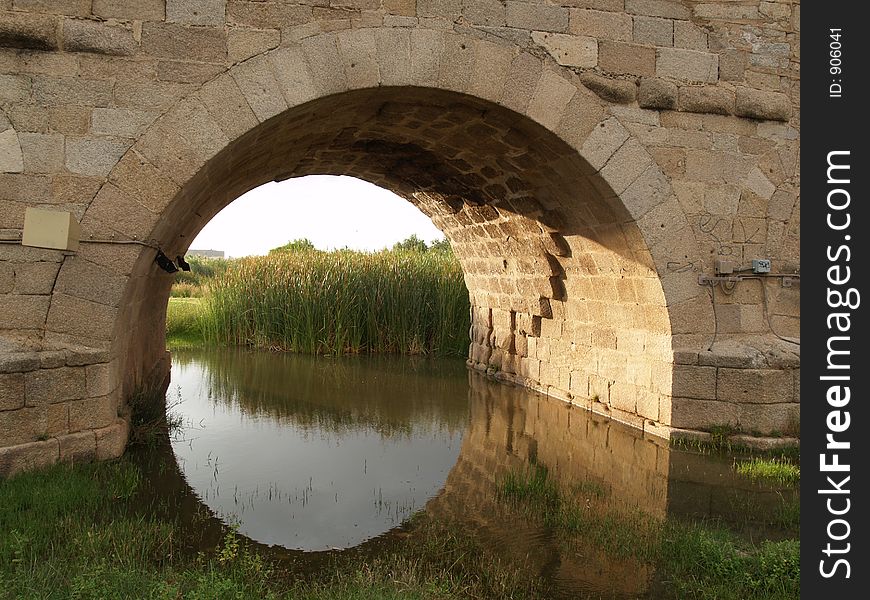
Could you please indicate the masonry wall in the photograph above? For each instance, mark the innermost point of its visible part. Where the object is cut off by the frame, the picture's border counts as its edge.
(591, 159)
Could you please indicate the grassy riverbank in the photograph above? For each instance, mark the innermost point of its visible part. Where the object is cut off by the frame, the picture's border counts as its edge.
(394, 301)
(703, 561)
(83, 532)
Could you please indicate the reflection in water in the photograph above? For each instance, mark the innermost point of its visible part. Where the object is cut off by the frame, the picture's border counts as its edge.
(313, 453)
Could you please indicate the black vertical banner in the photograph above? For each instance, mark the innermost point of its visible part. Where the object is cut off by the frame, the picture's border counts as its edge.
(835, 424)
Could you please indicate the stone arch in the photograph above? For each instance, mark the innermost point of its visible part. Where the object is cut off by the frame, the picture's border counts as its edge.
(529, 245)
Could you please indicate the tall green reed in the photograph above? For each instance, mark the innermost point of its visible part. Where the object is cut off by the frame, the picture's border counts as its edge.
(341, 302)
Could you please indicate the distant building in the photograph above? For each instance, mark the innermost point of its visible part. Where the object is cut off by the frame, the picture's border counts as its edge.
(206, 253)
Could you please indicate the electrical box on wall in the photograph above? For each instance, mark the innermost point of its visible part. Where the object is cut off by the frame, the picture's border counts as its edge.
(54, 229)
(761, 265)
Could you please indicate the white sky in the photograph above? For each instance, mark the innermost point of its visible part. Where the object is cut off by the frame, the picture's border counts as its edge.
(331, 211)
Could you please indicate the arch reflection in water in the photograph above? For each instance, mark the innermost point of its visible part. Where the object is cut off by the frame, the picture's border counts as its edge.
(316, 453)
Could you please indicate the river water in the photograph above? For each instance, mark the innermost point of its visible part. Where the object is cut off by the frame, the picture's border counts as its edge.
(313, 455)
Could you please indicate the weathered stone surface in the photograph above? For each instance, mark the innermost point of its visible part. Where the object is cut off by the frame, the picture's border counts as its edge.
(112, 440)
(27, 457)
(536, 17)
(608, 88)
(196, 12)
(43, 153)
(243, 43)
(11, 391)
(174, 41)
(569, 50)
(78, 447)
(603, 25)
(28, 31)
(762, 105)
(121, 122)
(654, 31)
(92, 36)
(633, 59)
(657, 93)
(46, 386)
(11, 156)
(687, 65)
(94, 156)
(706, 99)
(143, 10)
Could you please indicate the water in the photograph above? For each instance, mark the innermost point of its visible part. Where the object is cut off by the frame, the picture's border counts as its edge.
(309, 456)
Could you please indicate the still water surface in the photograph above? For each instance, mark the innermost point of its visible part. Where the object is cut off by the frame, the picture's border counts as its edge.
(323, 454)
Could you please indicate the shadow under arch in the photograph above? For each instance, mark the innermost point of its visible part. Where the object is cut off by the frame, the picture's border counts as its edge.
(562, 221)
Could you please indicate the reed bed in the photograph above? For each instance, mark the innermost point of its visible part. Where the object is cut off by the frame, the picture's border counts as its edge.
(341, 302)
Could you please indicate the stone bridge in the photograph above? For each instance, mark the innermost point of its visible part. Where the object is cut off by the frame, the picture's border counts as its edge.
(593, 163)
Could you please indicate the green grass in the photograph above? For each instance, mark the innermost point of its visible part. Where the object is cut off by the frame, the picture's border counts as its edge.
(778, 470)
(341, 302)
(184, 323)
(83, 532)
(692, 560)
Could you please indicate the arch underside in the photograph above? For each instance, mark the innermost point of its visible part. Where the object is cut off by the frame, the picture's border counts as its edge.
(565, 294)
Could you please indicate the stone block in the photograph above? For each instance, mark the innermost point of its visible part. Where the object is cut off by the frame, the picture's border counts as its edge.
(91, 413)
(491, 13)
(167, 40)
(604, 140)
(227, 105)
(393, 55)
(525, 73)
(690, 36)
(669, 9)
(492, 63)
(112, 440)
(27, 457)
(732, 65)
(569, 50)
(536, 17)
(91, 36)
(43, 153)
(602, 25)
(406, 8)
(608, 88)
(94, 156)
(550, 99)
(632, 59)
(457, 64)
(100, 379)
(755, 386)
(53, 91)
(47, 386)
(324, 64)
(243, 43)
(649, 190)
(78, 447)
(73, 8)
(694, 382)
(120, 122)
(182, 71)
(758, 104)
(89, 281)
(653, 31)
(626, 165)
(22, 425)
(65, 318)
(141, 10)
(770, 418)
(11, 391)
(693, 413)
(11, 156)
(57, 419)
(14, 88)
(28, 31)
(196, 12)
(425, 57)
(23, 312)
(706, 99)
(687, 65)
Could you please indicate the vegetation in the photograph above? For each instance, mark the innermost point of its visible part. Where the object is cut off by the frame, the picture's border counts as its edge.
(83, 532)
(692, 560)
(410, 300)
(778, 470)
